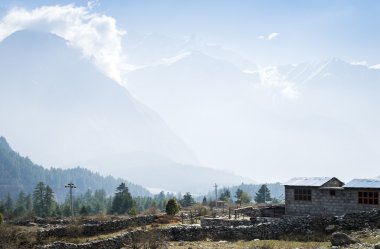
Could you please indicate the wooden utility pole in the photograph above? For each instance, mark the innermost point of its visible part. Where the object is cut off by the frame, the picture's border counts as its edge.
(71, 186)
(216, 193)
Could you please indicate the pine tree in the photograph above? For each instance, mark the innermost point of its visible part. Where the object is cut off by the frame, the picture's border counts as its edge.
(38, 199)
(20, 204)
(43, 200)
(263, 195)
(8, 204)
(187, 200)
(122, 201)
(238, 195)
(225, 195)
(204, 201)
(49, 201)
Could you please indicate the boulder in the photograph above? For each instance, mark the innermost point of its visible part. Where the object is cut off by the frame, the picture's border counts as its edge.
(342, 239)
(377, 246)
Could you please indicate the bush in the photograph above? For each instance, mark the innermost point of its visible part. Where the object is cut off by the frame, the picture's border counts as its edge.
(1, 218)
(133, 211)
(172, 207)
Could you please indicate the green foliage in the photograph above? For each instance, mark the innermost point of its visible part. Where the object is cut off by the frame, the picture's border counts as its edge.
(133, 211)
(8, 205)
(1, 218)
(242, 197)
(83, 211)
(172, 207)
(43, 200)
(225, 195)
(21, 174)
(187, 200)
(158, 201)
(204, 201)
(263, 195)
(122, 202)
(95, 203)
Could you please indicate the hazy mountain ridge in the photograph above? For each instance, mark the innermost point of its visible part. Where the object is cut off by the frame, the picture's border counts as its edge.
(53, 95)
(160, 173)
(19, 173)
(300, 112)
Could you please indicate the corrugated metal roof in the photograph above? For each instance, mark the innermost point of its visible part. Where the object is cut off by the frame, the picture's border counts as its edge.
(308, 181)
(363, 183)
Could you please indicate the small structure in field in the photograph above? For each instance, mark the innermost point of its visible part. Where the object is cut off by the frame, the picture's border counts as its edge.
(328, 196)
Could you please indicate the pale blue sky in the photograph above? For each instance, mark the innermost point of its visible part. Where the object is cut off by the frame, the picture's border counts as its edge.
(308, 30)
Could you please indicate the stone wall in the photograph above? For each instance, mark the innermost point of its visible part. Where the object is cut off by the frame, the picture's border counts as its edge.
(95, 228)
(324, 204)
(287, 226)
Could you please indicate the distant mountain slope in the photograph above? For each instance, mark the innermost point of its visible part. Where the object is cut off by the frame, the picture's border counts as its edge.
(19, 173)
(58, 108)
(311, 118)
(158, 173)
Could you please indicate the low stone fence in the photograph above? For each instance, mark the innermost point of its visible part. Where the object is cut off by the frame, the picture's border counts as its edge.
(288, 226)
(96, 228)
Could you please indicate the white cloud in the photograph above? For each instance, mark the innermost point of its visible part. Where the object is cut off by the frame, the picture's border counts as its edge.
(377, 66)
(360, 63)
(269, 37)
(272, 79)
(272, 36)
(96, 35)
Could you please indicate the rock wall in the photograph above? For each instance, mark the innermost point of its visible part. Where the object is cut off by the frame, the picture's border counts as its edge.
(96, 228)
(288, 226)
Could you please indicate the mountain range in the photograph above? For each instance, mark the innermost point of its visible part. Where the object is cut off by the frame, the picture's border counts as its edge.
(57, 108)
(309, 118)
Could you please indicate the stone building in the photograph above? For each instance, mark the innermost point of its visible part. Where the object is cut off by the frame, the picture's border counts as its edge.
(328, 196)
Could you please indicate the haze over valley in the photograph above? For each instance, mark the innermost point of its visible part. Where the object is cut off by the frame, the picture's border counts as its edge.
(81, 85)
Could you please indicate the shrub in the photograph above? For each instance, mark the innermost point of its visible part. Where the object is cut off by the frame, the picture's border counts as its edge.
(133, 211)
(1, 218)
(172, 207)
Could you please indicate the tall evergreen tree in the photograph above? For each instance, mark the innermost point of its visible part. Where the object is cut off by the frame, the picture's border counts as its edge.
(187, 200)
(20, 208)
(8, 204)
(43, 200)
(204, 201)
(38, 200)
(263, 195)
(122, 202)
(225, 195)
(49, 201)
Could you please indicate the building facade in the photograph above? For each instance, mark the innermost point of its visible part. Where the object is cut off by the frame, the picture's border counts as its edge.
(328, 196)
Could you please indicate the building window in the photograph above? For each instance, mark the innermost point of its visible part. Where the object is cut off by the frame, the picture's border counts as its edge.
(302, 194)
(332, 192)
(367, 197)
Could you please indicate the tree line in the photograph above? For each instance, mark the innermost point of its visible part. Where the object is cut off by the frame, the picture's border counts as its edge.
(42, 202)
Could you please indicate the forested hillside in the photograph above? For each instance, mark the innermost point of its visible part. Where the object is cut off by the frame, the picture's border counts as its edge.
(19, 173)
